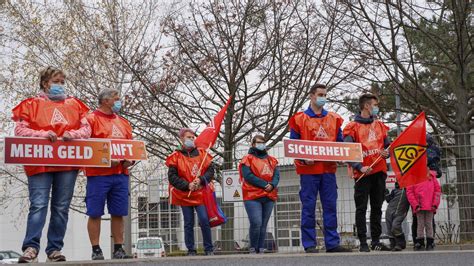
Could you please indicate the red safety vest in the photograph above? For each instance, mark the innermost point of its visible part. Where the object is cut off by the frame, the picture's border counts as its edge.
(106, 126)
(371, 136)
(188, 168)
(316, 129)
(262, 168)
(57, 116)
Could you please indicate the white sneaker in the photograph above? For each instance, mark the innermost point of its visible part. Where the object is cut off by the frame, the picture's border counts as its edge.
(56, 256)
(30, 255)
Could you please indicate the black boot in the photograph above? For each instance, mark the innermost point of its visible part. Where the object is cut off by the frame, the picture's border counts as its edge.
(403, 242)
(429, 244)
(419, 244)
(364, 247)
(392, 243)
(398, 243)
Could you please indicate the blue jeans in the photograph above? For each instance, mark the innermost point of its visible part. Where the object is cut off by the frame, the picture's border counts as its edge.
(188, 215)
(61, 186)
(259, 212)
(326, 186)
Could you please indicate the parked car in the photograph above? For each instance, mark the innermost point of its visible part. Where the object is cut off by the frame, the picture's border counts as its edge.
(219, 244)
(9, 257)
(270, 245)
(149, 247)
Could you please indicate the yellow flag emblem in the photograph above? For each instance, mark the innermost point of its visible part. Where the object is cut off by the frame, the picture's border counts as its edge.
(407, 155)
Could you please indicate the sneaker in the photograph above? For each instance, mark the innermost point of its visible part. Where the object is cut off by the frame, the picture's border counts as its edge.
(379, 246)
(311, 250)
(252, 251)
(209, 253)
(120, 254)
(97, 255)
(338, 249)
(56, 256)
(364, 247)
(30, 255)
(191, 253)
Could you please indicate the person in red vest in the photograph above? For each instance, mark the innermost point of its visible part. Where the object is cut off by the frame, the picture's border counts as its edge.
(372, 134)
(260, 176)
(317, 124)
(51, 114)
(189, 170)
(108, 184)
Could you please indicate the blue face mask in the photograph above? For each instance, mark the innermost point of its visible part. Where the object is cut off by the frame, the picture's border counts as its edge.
(56, 89)
(189, 143)
(375, 111)
(320, 101)
(260, 146)
(117, 106)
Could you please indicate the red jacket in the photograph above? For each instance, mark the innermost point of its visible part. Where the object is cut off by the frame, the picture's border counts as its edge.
(426, 194)
(188, 168)
(107, 126)
(316, 129)
(262, 168)
(36, 116)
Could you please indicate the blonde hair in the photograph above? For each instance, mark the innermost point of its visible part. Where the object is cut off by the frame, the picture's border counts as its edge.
(47, 73)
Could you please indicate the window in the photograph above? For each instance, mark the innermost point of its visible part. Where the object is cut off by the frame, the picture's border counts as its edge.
(157, 215)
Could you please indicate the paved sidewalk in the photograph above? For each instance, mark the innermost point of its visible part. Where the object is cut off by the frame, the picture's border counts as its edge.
(439, 257)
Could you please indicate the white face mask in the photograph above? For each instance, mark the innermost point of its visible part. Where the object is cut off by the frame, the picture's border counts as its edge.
(320, 101)
(189, 143)
(260, 146)
(375, 111)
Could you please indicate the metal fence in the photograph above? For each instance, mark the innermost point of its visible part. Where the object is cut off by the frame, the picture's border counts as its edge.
(152, 216)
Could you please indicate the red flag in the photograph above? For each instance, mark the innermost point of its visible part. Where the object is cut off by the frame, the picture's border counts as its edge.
(208, 137)
(408, 154)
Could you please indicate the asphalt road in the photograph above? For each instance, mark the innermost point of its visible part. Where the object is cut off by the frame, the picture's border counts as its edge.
(457, 257)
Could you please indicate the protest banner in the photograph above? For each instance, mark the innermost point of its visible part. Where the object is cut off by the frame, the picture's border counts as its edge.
(132, 150)
(323, 150)
(39, 151)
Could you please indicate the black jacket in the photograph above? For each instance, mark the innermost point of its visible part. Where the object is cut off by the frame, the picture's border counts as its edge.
(181, 183)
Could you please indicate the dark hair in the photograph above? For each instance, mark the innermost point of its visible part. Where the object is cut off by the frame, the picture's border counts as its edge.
(365, 98)
(47, 73)
(317, 86)
(254, 139)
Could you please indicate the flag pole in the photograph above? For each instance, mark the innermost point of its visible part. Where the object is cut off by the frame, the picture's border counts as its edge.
(202, 163)
(374, 163)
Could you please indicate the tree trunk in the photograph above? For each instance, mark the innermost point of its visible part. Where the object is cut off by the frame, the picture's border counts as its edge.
(465, 185)
(227, 230)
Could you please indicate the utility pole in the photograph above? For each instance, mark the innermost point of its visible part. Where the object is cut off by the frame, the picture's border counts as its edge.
(128, 223)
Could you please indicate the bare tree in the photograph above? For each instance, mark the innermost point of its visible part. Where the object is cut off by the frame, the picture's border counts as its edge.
(430, 46)
(263, 54)
(98, 45)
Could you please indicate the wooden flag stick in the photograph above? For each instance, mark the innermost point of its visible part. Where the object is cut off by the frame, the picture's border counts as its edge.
(374, 163)
(202, 164)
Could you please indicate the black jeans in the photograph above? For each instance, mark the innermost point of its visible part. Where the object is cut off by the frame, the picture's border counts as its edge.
(373, 187)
